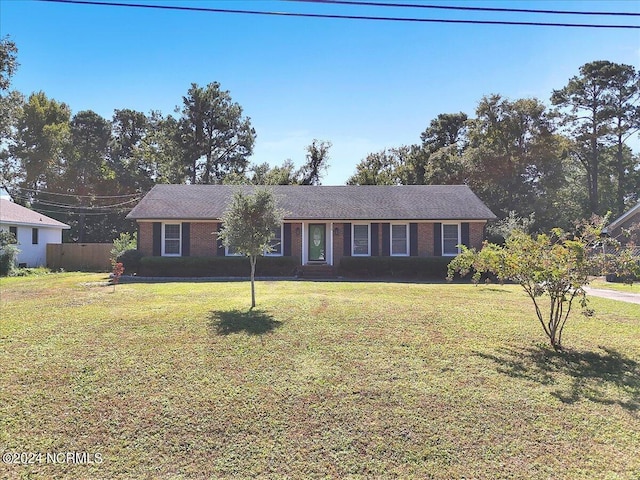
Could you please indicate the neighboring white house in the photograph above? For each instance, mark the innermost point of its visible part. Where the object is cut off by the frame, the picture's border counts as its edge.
(33, 231)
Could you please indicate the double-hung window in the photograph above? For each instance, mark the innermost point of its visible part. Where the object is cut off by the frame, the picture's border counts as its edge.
(276, 243)
(450, 239)
(171, 239)
(361, 244)
(400, 239)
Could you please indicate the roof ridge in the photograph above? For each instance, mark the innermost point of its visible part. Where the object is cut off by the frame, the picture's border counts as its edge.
(14, 213)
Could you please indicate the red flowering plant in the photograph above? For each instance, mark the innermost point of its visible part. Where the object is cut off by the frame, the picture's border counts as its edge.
(118, 270)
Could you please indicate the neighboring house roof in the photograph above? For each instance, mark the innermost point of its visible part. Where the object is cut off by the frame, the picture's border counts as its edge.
(623, 218)
(366, 202)
(15, 214)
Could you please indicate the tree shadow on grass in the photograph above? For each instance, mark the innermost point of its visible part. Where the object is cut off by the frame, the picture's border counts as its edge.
(589, 375)
(252, 322)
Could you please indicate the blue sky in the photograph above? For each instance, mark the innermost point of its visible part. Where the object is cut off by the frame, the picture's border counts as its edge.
(362, 85)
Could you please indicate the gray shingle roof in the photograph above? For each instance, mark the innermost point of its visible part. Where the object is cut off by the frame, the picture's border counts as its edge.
(635, 210)
(12, 213)
(411, 202)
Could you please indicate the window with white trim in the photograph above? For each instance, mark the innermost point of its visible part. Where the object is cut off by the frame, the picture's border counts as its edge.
(171, 239)
(360, 240)
(400, 239)
(450, 239)
(275, 243)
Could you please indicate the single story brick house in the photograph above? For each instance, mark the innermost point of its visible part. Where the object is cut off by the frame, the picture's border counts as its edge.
(322, 223)
(629, 219)
(33, 231)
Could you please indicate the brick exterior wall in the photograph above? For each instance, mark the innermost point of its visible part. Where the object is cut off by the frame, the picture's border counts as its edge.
(145, 238)
(476, 234)
(204, 235)
(425, 239)
(338, 243)
(296, 240)
(204, 239)
(619, 235)
(378, 239)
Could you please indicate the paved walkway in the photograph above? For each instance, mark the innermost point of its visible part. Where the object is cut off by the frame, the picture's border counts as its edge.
(614, 295)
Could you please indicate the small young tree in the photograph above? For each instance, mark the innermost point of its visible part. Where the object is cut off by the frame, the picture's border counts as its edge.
(126, 241)
(553, 267)
(501, 230)
(118, 270)
(248, 226)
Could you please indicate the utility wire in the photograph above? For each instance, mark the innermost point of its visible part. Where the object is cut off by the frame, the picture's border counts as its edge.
(50, 203)
(342, 17)
(96, 197)
(88, 214)
(459, 8)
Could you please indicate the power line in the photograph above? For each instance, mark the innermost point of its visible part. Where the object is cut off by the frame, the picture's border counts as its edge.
(341, 17)
(96, 197)
(88, 214)
(50, 203)
(459, 8)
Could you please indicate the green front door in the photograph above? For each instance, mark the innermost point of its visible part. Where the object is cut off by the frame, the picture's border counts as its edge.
(317, 235)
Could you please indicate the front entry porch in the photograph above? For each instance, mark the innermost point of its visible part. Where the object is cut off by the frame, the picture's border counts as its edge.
(317, 271)
(317, 244)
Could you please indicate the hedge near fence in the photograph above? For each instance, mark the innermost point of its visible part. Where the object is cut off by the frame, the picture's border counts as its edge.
(216, 266)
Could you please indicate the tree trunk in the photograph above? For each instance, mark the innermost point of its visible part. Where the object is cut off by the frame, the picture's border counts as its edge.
(621, 177)
(207, 169)
(252, 260)
(593, 188)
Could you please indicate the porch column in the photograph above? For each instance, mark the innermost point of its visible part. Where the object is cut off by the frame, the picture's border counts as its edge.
(330, 245)
(303, 232)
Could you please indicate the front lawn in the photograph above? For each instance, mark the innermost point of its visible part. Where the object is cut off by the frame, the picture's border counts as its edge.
(180, 380)
(620, 287)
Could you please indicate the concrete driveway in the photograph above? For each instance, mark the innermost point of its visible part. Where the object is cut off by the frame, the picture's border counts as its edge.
(613, 295)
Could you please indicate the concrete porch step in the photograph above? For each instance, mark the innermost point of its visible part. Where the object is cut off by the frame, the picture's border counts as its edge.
(317, 271)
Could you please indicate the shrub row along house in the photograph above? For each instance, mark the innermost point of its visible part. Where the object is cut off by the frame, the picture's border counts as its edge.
(322, 225)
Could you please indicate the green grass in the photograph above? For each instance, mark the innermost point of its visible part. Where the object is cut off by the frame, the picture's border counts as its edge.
(620, 287)
(181, 380)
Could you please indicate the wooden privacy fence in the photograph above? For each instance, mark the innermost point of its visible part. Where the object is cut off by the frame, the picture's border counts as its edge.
(86, 257)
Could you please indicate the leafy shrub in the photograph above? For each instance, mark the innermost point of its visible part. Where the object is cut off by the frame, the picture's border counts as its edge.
(216, 266)
(397, 267)
(8, 252)
(613, 278)
(126, 241)
(498, 232)
(551, 268)
(31, 272)
(629, 258)
(130, 259)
